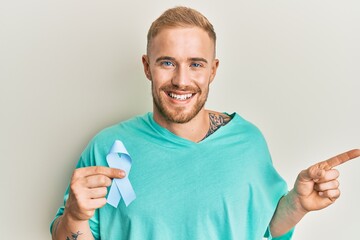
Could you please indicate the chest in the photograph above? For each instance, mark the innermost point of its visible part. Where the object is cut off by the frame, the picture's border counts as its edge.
(167, 181)
(187, 190)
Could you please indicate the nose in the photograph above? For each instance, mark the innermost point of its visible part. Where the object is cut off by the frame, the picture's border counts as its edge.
(181, 77)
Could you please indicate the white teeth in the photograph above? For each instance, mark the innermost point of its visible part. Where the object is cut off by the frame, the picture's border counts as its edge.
(180, 97)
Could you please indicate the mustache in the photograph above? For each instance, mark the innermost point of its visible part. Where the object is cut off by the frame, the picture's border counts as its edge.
(172, 88)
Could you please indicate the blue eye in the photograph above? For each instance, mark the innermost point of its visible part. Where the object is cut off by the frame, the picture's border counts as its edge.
(167, 63)
(196, 65)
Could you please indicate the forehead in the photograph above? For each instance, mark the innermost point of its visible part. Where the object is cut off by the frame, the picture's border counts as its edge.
(182, 42)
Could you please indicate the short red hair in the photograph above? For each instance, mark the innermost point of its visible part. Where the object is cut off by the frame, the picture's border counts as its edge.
(180, 17)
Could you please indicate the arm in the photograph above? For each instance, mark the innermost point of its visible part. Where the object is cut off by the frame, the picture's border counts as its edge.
(315, 188)
(66, 228)
(87, 193)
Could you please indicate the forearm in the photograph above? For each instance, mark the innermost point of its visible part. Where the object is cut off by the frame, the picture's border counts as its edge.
(288, 213)
(65, 228)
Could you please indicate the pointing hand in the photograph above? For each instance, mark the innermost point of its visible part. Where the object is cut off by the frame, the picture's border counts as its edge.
(317, 187)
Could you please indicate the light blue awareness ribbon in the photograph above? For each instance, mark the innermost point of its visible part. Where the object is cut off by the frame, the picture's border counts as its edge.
(118, 157)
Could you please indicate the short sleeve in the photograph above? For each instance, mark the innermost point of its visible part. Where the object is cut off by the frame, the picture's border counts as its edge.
(286, 236)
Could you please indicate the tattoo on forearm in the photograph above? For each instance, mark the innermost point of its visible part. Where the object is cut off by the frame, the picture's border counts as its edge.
(74, 236)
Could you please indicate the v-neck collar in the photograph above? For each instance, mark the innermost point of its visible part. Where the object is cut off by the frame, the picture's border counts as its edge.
(182, 141)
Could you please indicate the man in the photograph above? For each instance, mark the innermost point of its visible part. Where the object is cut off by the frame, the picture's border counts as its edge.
(197, 174)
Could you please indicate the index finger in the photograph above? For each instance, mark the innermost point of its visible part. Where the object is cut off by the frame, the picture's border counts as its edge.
(342, 158)
(99, 170)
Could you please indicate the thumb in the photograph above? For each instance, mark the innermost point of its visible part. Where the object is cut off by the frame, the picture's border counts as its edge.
(313, 173)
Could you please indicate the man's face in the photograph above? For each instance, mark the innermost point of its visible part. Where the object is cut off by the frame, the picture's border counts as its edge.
(181, 65)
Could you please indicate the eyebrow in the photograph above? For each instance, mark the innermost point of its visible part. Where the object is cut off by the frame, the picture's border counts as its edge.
(197, 59)
(164, 58)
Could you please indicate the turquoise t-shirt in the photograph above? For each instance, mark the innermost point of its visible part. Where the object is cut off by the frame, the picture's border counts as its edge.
(224, 187)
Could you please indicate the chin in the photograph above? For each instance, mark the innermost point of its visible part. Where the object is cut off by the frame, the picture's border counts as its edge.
(179, 116)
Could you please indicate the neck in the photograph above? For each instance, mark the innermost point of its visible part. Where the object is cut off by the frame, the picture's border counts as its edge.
(194, 130)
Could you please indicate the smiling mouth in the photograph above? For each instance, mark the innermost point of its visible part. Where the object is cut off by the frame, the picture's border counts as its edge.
(180, 97)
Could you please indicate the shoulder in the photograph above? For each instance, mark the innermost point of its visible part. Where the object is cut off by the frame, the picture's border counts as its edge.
(124, 127)
(124, 131)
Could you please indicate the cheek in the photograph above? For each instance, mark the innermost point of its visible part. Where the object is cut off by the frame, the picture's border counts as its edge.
(202, 78)
(161, 76)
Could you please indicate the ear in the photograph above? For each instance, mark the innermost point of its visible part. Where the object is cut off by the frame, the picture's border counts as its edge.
(145, 61)
(214, 67)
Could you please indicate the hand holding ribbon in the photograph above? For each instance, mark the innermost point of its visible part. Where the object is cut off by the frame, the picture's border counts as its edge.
(118, 157)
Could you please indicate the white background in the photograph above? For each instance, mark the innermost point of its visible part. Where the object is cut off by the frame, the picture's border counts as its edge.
(70, 68)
